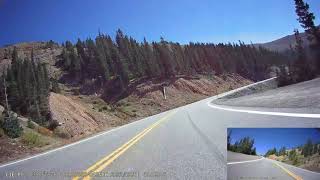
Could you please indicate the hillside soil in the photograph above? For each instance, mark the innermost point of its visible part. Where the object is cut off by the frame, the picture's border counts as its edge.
(81, 116)
(311, 163)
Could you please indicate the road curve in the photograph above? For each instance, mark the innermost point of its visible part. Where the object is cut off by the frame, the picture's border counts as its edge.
(188, 142)
(241, 166)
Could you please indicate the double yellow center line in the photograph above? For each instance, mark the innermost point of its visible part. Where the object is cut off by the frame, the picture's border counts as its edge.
(288, 172)
(104, 162)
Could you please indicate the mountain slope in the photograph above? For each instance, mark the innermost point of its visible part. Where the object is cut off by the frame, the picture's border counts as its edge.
(284, 43)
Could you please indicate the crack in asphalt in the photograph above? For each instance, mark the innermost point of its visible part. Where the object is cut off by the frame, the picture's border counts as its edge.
(211, 145)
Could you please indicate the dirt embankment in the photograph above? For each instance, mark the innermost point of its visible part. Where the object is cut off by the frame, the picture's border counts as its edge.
(80, 115)
(75, 118)
(311, 163)
(148, 97)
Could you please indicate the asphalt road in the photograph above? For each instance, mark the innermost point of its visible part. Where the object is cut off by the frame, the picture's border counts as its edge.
(238, 157)
(241, 166)
(300, 97)
(185, 143)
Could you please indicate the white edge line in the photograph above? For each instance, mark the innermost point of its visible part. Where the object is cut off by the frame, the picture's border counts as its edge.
(239, 162)
(305, 115)
(77, 142)
(265, 112)
(60, 148)
(284, 164)
(117, 128)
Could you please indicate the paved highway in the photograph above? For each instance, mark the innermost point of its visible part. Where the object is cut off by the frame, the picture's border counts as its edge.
(241, 166)
(184, 143)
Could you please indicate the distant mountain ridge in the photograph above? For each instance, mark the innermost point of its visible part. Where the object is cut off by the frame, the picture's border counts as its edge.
(284, 43)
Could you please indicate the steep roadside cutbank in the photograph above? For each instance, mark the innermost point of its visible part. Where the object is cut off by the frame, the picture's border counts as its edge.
(148, 98)
(81, 115)
(84, 114)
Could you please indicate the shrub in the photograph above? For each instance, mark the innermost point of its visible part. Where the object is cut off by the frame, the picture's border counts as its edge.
(295, 161)
(55, 86)
(32, 139)
(103, 108)
(284, 78)
(53, 125)
(61, 133)
(30, 124)
(76, 92)
(11, 127)
(44, 131)
(1, 132)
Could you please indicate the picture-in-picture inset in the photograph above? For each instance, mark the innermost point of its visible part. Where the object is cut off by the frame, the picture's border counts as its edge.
(273, 153)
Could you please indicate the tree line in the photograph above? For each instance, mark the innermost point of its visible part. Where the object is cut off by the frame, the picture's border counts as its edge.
(282, 152)
(125, 58)
(27, 87)
(307, 150)
(244, 145)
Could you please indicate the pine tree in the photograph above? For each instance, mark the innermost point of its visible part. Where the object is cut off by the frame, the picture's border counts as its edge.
(307, 148)
(301, 68)
(66, 59)
(102, 57)
(245, 146)
(125, 59)
(55, 86)
(306, 20)
(282, 151)
(152, 68)
(28, 88)
(120, 66)
(315, 148)
(229, 141)
(125, 54)
(165, 58)
(36, 88)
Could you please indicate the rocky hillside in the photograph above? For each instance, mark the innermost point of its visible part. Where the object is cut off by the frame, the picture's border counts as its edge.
(84, 114)
(44, 52)
(80, 112)
(311, 162)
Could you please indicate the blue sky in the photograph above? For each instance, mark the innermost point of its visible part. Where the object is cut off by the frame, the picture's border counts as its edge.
(176, 20)
(267, 138)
